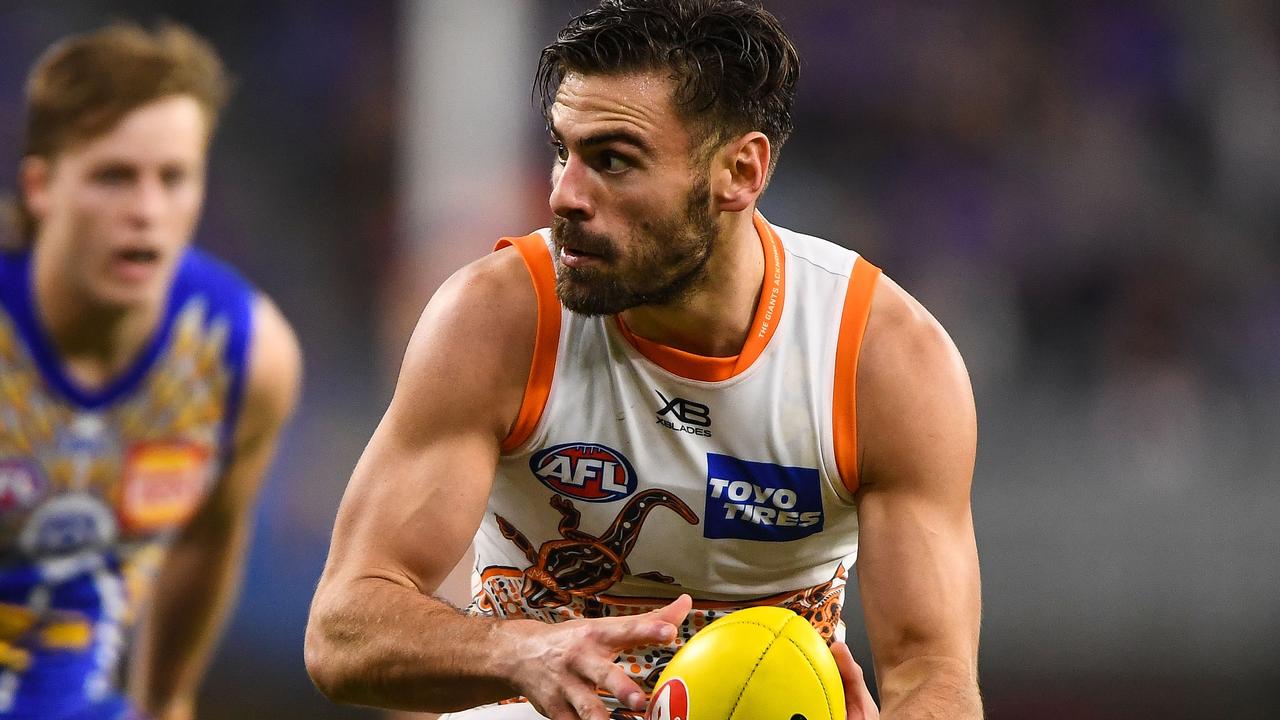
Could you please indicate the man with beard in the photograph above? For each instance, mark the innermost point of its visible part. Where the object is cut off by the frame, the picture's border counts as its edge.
(661, 410)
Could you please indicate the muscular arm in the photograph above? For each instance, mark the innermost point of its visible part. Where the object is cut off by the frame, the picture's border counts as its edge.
(376, 634)
(197, 584)
(918, 562)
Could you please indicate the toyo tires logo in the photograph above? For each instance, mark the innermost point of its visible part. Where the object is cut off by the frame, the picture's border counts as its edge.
(586, 471)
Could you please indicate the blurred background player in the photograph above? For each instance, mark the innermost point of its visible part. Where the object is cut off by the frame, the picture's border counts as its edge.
(527, 410)
(144, 385)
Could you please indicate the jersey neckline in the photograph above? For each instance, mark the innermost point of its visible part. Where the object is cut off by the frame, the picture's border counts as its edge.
(763, 325)
(50, 362)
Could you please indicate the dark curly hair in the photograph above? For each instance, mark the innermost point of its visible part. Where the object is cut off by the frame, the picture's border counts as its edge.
(734, 68)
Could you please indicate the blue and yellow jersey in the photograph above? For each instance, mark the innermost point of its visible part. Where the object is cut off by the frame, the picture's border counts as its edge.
(95, 483)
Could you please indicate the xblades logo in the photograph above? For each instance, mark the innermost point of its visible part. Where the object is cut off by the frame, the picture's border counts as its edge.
(687, 416)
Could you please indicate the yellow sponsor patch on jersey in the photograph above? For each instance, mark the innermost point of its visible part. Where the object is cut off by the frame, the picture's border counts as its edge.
(15, 621)
(164, 483)
(14, 658)
(66, 635)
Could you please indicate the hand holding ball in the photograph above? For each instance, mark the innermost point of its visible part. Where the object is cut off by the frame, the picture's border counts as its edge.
(762, 663)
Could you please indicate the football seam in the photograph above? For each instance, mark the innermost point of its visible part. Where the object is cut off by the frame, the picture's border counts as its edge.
(754, 667)
(814, 670)
(776, 633)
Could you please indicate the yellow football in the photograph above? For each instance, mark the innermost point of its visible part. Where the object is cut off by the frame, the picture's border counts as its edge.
(761, 663)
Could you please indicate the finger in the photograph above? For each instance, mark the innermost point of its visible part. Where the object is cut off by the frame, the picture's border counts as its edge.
(621, 633)
(675, 611)
(556, 709)
(656, 627)
(858, 702)
(611, 678)
(586, 704)
(850, 672)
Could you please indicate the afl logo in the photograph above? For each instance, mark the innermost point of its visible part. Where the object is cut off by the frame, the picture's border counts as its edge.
(20, 485)
(585, 471)
(670, 702)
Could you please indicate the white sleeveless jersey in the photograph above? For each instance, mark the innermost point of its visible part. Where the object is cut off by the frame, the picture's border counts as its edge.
(636, 472)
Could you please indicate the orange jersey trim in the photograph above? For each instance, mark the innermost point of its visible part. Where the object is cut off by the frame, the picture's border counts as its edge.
(763, 324)
(853, 323)
(537, 259)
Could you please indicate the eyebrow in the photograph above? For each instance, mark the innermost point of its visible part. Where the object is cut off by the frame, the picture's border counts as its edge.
(112, 165)
(607, 137)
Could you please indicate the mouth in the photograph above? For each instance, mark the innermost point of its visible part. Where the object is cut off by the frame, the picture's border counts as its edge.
(138, 255)
(576, 257)
(135, 264)
(581, 248)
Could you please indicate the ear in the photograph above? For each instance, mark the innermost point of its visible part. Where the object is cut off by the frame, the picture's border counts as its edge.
(739, 172)
(34, 175)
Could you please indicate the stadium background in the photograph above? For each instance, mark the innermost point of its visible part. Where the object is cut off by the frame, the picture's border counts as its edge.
(1087, 194)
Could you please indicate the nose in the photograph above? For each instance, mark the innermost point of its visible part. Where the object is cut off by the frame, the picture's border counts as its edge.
(571, 192)
(147, 202)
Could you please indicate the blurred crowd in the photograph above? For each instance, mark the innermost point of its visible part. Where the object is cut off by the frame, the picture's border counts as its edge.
(1086, 194)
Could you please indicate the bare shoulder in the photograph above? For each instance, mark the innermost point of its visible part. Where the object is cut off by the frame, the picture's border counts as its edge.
(473, 344)
(903, 339)
(432, 457)
(915, 402)
(274, 374)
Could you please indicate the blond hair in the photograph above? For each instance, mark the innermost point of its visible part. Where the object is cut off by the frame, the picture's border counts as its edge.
(84, 84)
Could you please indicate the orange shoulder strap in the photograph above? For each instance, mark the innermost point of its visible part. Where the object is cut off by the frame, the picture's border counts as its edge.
(537, 259)
(853, 323)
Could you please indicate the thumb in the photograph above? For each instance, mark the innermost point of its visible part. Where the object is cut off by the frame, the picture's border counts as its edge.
(858, 702)
(675, 611)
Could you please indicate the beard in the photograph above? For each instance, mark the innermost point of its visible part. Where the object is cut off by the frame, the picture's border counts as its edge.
(664, 261)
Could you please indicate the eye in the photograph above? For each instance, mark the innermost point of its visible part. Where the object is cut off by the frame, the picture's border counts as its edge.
(113, 175)
(172, 177)
(562, 153)
(613, 163)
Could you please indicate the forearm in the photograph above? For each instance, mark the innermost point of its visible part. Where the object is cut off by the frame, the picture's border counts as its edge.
(377, 642)
(925, 688)
(195, 591)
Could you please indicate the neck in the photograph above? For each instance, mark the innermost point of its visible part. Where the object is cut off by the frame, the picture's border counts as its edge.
(714, 319)
(95, 342)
